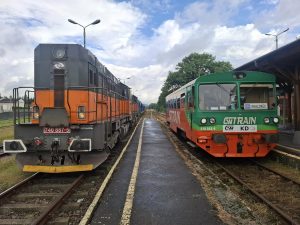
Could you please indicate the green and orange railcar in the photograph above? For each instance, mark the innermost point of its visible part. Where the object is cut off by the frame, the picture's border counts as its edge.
(231, 114)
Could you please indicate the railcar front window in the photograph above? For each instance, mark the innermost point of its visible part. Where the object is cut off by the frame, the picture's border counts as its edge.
(257, 96)
(218, 97)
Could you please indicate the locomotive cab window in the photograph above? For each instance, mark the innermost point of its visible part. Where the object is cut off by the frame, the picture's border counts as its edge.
(91, 79)
(257, 96)
(218, 96)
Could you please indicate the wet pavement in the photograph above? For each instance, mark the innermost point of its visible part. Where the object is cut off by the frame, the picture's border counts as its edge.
(165, 191)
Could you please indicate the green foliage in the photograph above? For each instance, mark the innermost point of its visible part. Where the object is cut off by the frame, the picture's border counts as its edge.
(189, 69)
(152, 106)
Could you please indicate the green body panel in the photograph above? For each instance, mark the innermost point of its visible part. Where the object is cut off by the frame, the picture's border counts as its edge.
(219, 115)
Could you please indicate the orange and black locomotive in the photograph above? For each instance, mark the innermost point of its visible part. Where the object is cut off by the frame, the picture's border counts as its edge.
(75, 113)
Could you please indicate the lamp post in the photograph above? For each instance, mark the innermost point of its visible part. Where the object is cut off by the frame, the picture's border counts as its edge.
(93, 23)
(276, 36)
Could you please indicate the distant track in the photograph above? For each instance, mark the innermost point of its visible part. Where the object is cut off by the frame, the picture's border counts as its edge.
(287, 149)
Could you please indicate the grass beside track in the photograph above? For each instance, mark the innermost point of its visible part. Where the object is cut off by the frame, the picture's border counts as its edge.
(6, 133)
(6, 123)
(10, 174)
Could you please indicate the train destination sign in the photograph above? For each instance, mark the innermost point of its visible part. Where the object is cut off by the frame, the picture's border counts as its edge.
(239, 128)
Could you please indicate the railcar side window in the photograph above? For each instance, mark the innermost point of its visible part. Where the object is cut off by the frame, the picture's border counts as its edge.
(218, 96)
(257, 96)
(178, 103)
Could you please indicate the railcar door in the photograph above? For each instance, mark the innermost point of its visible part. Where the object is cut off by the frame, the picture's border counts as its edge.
(190, 110)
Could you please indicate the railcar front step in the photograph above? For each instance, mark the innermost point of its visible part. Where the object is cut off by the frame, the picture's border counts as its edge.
(191, 144)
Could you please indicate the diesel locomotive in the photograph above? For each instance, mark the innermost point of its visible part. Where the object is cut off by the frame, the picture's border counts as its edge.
(231, 114)
(73, 116)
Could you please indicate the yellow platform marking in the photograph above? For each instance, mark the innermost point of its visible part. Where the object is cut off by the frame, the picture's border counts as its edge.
(57, 169)
(86, 218)
(126, 215)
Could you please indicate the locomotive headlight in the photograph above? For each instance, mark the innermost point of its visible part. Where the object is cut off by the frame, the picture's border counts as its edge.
(35, 112)
(81, 112)
(203, 121)
(58, 65)
(212, 120)
(59, 53)
(266, 120)
(275, 120)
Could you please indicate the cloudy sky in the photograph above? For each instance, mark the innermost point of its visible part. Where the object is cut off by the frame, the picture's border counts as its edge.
(142, 39)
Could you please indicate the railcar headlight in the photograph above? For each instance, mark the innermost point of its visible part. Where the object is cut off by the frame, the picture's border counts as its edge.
(59, 53)
(35, 112)
(276, 120)
(203, 121)
(212, 120)
(266, 120)
(59, 65)
(81, 112)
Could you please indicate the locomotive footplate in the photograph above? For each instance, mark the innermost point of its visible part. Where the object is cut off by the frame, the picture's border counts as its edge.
(64, 162)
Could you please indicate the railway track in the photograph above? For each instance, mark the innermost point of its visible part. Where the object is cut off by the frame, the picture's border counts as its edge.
(32, 200)
(57, 198)
(277, 190)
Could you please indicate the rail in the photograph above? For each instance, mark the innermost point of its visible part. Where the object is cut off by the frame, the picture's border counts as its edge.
(38, 180)
(16, 186)
(43, 218)
(274, 171)
(284, 215)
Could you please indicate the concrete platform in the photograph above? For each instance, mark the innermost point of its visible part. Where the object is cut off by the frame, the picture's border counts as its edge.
(165, 190)
(286, 139)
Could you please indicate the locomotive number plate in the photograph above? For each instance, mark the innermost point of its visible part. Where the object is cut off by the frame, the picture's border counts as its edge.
(52, 130)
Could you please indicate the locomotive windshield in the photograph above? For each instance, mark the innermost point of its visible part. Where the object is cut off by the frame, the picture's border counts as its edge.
(257, 96)
(218, 96)
(252, 96)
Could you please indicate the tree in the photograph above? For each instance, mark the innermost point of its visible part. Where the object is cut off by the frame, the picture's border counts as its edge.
(152, 106)
(189, 69)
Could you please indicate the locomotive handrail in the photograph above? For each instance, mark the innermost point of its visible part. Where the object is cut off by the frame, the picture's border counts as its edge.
(16, 103)
(26, 110)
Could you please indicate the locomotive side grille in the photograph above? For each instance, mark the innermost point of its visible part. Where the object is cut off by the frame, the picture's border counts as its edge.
(59, 94)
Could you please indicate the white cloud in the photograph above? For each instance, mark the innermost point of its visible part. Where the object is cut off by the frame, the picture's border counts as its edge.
(118, 40)
(284, 13)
